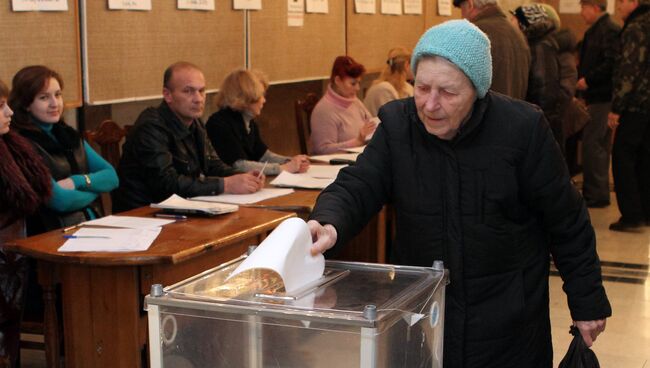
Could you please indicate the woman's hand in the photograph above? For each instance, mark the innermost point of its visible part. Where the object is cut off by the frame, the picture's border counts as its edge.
(66, 183)
(367, 129)
(297, 164)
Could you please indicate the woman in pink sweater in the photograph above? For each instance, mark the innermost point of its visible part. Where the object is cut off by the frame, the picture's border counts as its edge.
(340, 120)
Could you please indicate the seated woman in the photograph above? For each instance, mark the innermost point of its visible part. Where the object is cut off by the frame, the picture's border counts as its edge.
(25, 183)
(392, 82)
(340, 120)
(78, 174)
(234, 133)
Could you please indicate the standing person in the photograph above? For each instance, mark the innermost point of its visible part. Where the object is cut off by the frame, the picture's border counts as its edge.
(233, 130)
(25, 183)
(393, 82)
(510, 51)
(630, 116)
(340, 120)
(544, 88)
(478, 182)
(79, 174)
(597, 56)
(168, 151)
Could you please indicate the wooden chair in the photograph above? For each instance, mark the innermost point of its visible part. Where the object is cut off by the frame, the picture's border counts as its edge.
(303, 108)
(108, 137)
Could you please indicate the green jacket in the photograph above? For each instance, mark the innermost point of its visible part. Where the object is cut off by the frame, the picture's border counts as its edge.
(632, 73)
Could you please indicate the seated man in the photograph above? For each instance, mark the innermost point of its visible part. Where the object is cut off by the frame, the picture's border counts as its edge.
(168, 151)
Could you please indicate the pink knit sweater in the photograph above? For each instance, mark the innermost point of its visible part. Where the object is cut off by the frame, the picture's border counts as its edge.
(335, 123)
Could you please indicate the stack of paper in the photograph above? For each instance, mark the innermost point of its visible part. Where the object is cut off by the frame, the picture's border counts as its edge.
(180, 205)
(324, 171)
(110, 240)
(287, 179)
(265, 193)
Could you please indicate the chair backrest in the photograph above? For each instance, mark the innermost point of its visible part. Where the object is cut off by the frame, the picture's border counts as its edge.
(303, 108)
(108, 137)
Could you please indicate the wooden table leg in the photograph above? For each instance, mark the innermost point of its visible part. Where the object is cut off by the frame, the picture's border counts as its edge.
(50, 318)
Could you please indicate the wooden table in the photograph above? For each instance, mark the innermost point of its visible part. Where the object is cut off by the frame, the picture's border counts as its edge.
(368, 246)
(102, 293)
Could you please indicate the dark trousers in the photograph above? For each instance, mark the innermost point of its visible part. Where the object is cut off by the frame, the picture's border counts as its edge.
(596, 137)
(631, 166)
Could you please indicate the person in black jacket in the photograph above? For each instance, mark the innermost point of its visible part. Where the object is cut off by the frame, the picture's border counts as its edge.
(234, 132)
(168, 152)
(477, 181)
(597, 56)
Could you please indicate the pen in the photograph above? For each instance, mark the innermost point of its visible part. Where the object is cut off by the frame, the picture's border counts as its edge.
(66, 229)
(85, 237)
(262, 171)
(170, 216)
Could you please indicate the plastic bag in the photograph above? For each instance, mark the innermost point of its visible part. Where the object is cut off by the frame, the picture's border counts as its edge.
(579, 355)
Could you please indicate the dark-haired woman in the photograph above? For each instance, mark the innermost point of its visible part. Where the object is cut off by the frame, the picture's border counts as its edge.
(78, 173)
(24, 187)
(340, 120)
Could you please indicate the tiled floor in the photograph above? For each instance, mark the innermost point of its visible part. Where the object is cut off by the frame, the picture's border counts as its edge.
(625, 257)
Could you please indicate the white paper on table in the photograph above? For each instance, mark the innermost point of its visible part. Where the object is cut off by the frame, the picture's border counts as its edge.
(118, 240)
(324, 171)
(287, 251)
(286, 179)
(129, 222)
(174, 202)
(340, 156)
(265, 193)
(356, 149)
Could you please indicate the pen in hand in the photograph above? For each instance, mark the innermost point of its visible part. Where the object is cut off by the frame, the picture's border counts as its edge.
(259, 176)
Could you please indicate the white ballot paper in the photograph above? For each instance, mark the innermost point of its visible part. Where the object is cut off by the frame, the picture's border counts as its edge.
(286, 252)
(287, 179)
(179, 204)
(263, 194)
(110, 240)
(129, 222)
(324, 171)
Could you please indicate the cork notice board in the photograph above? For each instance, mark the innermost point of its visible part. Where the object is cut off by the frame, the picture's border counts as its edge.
(128, 51)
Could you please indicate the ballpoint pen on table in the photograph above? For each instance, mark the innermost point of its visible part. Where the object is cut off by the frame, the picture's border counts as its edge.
(66, 229)
(85, 237)
(171, 216)
(262, 171)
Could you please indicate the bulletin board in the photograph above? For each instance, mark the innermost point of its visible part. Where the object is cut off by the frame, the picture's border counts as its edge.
(46, 38)
(296, 53)
(126, 52)
(370, 36)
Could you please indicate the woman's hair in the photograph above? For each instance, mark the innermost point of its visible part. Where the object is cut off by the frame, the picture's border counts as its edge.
(4, 91)
(345, 66)
(396, 68)
(27, 83)
(242, 88)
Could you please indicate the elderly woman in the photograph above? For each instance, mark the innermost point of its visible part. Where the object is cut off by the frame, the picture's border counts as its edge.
(340, 120)
(78, 173)
(25, 186)
(477, 181)
(392, 82)
(234, 132)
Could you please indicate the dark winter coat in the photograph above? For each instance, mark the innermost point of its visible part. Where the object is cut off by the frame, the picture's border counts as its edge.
(597, 56)
(162, 156)
(493, 204)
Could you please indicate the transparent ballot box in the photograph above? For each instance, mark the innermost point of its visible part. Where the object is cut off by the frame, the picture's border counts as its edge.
(355, 315)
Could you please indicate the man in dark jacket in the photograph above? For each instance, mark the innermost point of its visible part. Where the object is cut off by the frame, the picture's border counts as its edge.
(631, 109)
(477, 181)
(597, 55)
(510, 51)
(167, 151)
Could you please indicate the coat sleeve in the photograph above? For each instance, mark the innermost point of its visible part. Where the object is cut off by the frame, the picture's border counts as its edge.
(358, 192)
(544, 82)
(548, 191)
(630, 67)
(601, 73)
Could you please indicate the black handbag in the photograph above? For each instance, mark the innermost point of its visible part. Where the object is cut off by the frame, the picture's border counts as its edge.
(579, 355)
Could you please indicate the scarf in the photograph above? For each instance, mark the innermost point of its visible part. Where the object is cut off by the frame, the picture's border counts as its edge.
(24, 179)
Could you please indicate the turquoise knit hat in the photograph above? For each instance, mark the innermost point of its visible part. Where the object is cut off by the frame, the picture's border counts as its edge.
(463, 44)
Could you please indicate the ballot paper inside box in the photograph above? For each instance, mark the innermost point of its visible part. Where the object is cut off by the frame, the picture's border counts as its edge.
(355, 315)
